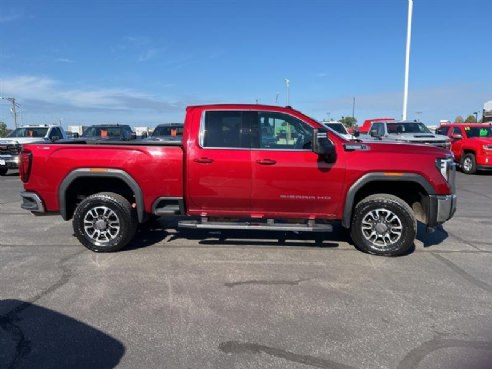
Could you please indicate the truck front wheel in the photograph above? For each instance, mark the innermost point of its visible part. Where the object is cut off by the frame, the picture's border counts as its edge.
(383, 224)
(469, 164)
(104, 222)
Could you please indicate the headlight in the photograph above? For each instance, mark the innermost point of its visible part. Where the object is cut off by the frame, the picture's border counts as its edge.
(445, 167)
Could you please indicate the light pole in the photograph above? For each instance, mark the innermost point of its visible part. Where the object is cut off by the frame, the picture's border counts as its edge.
(13, 109)
(407, 59)
(476, 116)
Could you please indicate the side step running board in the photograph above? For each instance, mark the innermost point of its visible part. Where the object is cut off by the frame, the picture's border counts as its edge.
(270, 225)
(167, 210)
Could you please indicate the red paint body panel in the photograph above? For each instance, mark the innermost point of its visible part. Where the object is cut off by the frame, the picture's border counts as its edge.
(157, 170)
(475, 145)
(236, 182)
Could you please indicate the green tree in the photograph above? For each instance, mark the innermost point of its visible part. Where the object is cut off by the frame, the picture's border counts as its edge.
(459, 119)
(348, 122)
(3, 129)
(471, 119)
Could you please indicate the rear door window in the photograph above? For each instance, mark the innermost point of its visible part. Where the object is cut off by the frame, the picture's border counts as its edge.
(227, 129)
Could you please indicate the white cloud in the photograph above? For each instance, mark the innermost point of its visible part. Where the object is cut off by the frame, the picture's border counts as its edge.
(434, 103)
(63, 60)
(42, 95)
(6, 18)
(147, 55)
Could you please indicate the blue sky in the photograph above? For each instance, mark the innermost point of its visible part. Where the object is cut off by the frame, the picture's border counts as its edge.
(142, 61)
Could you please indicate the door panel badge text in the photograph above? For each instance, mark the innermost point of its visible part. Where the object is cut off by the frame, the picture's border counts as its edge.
(305, 197)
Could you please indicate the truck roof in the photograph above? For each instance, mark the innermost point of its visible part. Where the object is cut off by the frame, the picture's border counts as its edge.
(242, 106)
(39, 125)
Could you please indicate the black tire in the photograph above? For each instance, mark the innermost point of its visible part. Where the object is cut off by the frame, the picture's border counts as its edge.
(469, 164)
(383, 224)
(3, 171)
(104, 222)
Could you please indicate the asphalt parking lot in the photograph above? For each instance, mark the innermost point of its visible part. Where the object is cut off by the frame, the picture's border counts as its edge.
(177, 299)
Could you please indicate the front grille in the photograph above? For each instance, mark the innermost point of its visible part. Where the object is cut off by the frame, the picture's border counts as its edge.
(10, 149)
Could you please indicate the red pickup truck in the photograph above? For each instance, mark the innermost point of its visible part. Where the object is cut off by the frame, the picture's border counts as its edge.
(471, 144)
(252, 167)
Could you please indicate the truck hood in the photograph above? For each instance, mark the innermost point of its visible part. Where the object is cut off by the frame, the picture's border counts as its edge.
(21, 140)
(404, 148)
(418, 137)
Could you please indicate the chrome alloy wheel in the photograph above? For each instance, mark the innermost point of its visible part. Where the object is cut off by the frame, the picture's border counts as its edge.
(467, 164)
(101, 224)
(382, 228)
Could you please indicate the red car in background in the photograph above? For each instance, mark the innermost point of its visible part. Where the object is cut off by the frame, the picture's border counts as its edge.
(471, 144)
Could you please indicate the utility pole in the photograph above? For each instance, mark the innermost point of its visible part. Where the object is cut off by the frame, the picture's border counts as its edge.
(13, 109)
(353, 108)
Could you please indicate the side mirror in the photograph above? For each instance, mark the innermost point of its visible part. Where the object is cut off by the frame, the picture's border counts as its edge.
(356, 134)
(456, 136)
(133, 136)
(323, 146)
(373, 133)
(144, 135)
(75, 135)
(54, 138)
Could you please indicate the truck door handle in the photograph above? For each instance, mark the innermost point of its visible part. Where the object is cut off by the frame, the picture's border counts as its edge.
(203, 160)
(266, 162)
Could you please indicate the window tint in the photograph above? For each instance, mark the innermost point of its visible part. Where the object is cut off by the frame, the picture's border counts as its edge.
(282, 131)
(456, 131)
(379, 127)
(478, 131)
(55, 132)
(442, 130)
(226, 129)
(168, 131)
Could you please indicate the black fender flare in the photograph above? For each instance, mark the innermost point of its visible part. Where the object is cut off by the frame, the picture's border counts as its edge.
(379, 176)
(103, 172)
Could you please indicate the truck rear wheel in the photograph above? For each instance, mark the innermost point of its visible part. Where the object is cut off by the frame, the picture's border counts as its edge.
(3, 171)
(104, 222)
(383, 224)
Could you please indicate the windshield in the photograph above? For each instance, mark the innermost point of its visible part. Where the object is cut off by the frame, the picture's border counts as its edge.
(414, 127)
(337, 127)
(172, 131)
(478, 131)
(29, 132)
(103, 132)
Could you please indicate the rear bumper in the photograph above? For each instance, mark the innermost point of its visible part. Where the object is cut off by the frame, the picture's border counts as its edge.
(32, 202)
(441, 209)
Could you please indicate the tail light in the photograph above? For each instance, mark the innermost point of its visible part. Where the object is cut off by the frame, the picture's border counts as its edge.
(25, 165)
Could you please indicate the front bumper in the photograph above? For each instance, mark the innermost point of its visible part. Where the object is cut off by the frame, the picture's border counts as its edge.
(32, 202)
(441, 209)
(9, 161)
